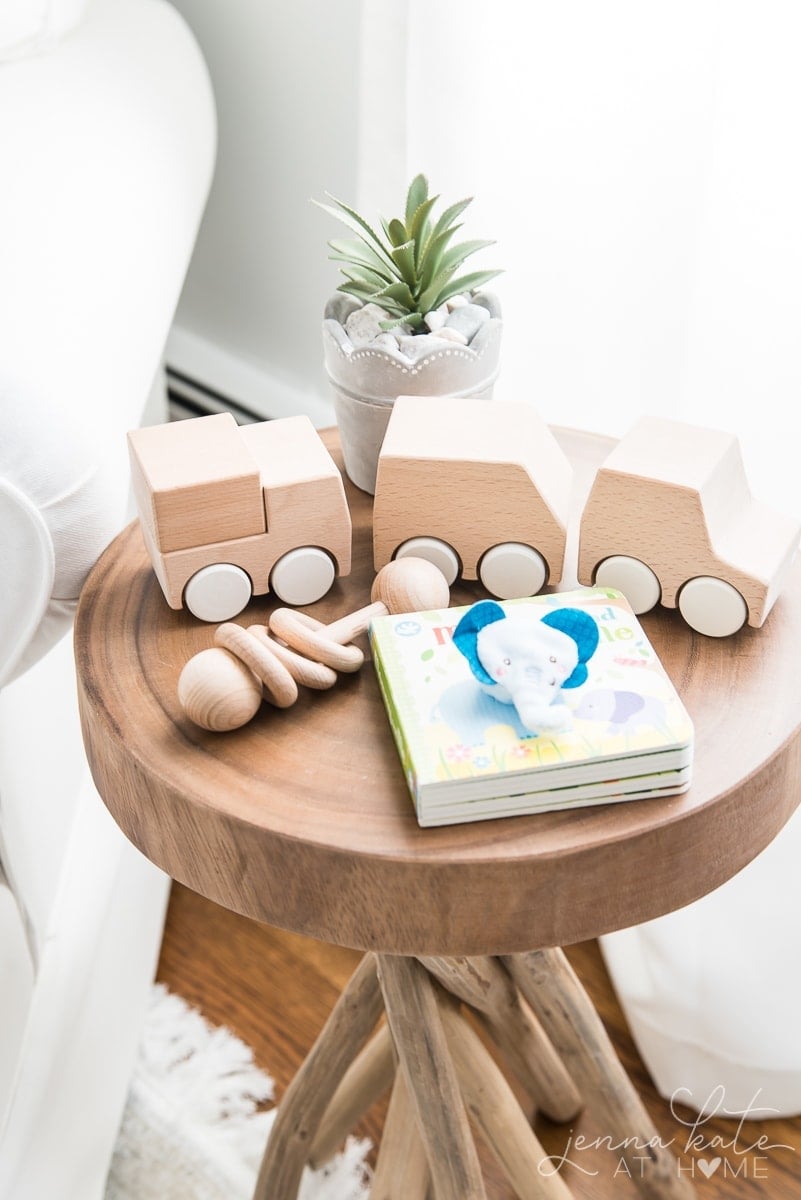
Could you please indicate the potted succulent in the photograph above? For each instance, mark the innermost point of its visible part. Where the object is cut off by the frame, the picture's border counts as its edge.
(404, 321)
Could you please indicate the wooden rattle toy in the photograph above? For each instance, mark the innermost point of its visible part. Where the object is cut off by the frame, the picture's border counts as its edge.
(222, 688)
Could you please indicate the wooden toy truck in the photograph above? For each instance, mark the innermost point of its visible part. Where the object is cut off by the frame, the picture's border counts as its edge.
(480, 488)
(670, 518)
(228, 512)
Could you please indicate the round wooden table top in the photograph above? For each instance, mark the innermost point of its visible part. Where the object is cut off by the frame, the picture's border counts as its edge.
(302, 818)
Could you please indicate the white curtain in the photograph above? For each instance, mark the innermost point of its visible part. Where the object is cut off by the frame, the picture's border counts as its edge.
(639, 166)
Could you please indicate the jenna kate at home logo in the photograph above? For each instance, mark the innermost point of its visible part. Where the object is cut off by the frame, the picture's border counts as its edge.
(699, 1152)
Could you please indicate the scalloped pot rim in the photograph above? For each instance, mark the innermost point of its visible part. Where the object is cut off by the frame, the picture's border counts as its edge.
(377, 373)
(340, 306)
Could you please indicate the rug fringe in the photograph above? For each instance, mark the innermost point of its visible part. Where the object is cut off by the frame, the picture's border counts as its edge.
(193, 1127)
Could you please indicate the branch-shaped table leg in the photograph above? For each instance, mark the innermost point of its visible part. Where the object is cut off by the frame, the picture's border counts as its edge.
(492, 1105)
(351, 1022)
(483, 984)
(401, 1170)
(414, 1019)
(367, 1078)
(568, 1016)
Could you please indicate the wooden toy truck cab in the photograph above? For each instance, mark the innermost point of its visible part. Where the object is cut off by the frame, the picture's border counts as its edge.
(670, 518)
(228, 512)
(480, 488)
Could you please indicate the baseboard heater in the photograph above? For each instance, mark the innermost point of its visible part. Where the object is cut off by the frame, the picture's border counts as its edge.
(190, 398)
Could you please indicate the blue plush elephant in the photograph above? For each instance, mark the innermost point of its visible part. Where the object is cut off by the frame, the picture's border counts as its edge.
(527, 661)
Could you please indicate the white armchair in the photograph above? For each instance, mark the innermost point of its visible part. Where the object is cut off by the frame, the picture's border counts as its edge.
(107, 133)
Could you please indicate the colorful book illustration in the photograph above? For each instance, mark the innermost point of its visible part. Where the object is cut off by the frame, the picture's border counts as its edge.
(467, 756)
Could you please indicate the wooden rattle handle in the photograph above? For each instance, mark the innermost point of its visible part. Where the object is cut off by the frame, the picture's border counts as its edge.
(405, 585)
(347, 628)
(307, 636)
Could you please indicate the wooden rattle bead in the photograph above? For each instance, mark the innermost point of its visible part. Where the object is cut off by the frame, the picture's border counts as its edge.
(410, 585)
(218, 692)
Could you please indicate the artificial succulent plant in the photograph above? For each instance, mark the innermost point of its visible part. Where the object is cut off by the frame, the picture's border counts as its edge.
(412, 269)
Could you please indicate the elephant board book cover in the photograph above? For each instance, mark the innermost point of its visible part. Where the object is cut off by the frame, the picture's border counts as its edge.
(504, 708)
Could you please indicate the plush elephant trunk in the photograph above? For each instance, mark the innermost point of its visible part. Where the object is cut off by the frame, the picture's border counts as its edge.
(537, 714)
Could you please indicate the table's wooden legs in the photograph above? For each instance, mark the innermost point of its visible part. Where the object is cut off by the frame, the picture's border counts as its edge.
(556, 995)
(494, 1109)
(414, 1019)
(351, 1022)
(401, 1169)
(367, 1078)
(483, 984)
(445, 1080)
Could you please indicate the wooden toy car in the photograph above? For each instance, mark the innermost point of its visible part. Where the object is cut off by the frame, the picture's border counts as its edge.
(228, 512)
(670, 519)
(480, 488)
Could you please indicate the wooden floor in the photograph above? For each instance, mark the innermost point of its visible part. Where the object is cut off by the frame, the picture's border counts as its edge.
(274, 990)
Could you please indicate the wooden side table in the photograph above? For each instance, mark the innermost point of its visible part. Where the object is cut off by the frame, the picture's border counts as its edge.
(302, 819)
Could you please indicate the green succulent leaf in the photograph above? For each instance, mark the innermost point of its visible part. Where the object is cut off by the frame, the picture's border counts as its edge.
(413, 320)
(360, 254)
(429, 298)
(396, 232)
(431, 263)
(420, 228)
(396, 311)
(355, 222)
(361, 291)
(399, 293)
(360, 274)
(412, 267)
(416, 195)
(467, 283)
(453, 258)
(403, 257)
(449, 216)
(358, 248)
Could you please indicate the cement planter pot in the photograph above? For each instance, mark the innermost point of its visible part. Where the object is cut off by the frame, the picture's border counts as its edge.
(367, 380)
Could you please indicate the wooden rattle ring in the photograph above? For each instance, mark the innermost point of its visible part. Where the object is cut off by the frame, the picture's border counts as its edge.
(279, 685)
(308, 636)
(303, 670)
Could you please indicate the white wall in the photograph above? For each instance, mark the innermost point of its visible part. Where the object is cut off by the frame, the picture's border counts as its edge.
(285, 83)
(637, 164)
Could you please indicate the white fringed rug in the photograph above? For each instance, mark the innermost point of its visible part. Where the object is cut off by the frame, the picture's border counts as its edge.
(192, 1129)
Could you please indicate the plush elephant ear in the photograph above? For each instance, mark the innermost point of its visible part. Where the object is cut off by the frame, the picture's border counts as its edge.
(465, 635)
(584, 632)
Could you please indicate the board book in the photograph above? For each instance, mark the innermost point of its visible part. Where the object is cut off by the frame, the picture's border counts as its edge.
(467, 757)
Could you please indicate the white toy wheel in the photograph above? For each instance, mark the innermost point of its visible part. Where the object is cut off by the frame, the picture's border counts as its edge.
(218, 592)
(633, 578)
(435, 551)
(513, 570)
(712, 607)
(302, 576)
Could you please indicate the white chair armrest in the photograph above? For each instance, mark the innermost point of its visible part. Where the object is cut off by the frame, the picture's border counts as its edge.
(27, 567)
